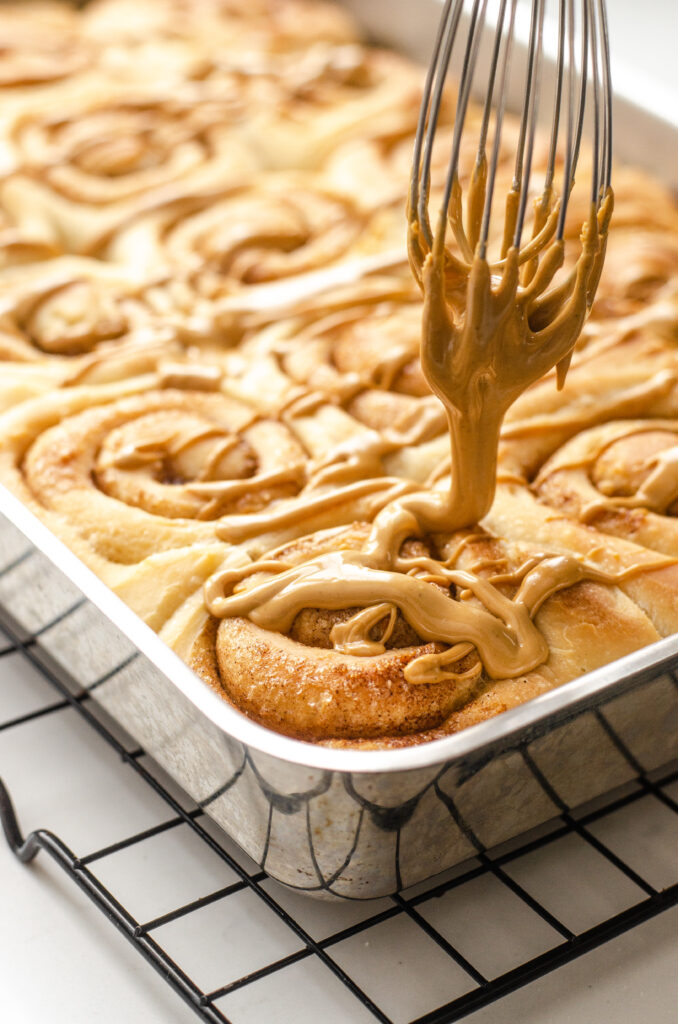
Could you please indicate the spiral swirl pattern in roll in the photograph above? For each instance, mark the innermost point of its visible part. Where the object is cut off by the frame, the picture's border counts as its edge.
(80, 172)
(621, 478)
(41, 45)
(76, 322)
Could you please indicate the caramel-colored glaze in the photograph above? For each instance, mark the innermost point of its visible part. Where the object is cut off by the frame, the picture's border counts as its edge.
(316, 693)
(486, 338)
(499, 628)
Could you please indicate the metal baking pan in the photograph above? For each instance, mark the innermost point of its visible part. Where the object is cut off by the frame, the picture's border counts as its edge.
(342, 823)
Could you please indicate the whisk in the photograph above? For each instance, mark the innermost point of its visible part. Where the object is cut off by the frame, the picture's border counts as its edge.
(576, 74)
(501, 311)
(590, 67)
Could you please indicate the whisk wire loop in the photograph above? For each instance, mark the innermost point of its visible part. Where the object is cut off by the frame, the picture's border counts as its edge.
(528, 124)
(581, 95)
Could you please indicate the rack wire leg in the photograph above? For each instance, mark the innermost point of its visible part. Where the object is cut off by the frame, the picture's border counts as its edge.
(24, 849)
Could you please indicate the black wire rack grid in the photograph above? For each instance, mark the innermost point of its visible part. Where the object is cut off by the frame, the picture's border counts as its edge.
(483, 990)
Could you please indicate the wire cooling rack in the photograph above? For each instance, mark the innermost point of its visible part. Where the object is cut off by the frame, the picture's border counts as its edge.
(481, 931)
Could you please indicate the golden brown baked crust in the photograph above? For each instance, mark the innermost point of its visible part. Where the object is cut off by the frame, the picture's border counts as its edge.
(210, 372)
(298, 685)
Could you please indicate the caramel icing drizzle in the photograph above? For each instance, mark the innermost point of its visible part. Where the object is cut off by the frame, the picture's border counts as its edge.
(489, 331)
(660, 489)
(499, 628)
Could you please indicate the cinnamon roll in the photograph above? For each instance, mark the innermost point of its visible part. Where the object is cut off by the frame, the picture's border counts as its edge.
(168, 459)
(268, 25)
(41, 45)
(331, 95)
(281, 226)
(632, 377)
(364, 356)
(72, 322)
(620, 478)
(138, 467)
(349, 350)
(434, 655)
(641, 272)
(79, 169)
(648, 578)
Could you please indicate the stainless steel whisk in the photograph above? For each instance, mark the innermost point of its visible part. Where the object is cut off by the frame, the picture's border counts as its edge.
(494, 326)
(582, 80)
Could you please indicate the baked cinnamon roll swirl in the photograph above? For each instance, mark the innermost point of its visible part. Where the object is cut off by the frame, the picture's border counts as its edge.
(137, 467)
(652, 584)
(641, 271)
(167, 459)
(222, 243)
(359, 346)
(41, 45)
(73, 322)
(80, 168)
(628, 377)
(292, 641)
(66, 309)
(365, 359)
(331, 95)
(620, 478)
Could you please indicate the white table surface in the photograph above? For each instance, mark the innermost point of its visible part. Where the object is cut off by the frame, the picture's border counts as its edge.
(61, 962)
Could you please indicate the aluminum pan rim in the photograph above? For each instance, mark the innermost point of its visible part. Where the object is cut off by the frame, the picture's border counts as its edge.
(495, 731)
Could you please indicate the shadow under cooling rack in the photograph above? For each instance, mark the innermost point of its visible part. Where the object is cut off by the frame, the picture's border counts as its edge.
(226, 937)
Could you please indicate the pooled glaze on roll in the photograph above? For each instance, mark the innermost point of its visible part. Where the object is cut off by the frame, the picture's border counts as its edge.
(500, 629)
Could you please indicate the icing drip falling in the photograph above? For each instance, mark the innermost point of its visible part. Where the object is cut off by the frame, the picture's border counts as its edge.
(489, 332)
